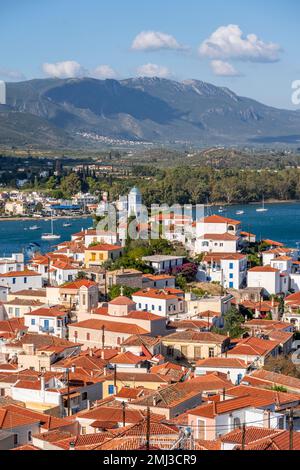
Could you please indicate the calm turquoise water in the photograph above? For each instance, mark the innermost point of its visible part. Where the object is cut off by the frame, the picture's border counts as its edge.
(15, 236)
(280, 223)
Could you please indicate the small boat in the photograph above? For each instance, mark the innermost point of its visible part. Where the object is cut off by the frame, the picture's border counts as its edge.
(262, 209)
(50, 236)
(240, 212)
(221, 210)
(34, 227)
(67, 224)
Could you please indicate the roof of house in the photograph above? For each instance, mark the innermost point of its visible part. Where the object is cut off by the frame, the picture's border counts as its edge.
(104, 247)
(127, 358)
(274, 396)
(251, 435)
(47, 312)
(222, 362)
(164, 294)
(195, 337)
(109, 326)
(25, 273)
(280, 441)
(253, 347)
(263, 269)
(122, 300)
(218, 219)
(78, 283)
(210, 257)
(267, 378)
(218, 236)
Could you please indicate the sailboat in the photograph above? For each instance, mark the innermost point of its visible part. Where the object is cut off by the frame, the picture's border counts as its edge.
(262, 209)
(52, 235)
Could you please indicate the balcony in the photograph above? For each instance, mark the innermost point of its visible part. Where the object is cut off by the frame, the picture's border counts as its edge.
(46, 329)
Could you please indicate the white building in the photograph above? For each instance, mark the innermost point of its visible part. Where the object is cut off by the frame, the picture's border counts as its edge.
(217, 234)
(163, 263)
(13, 263)
(134, 202)
(235, 369)
(164, 302)
(21, 280)
(47, 320)
(265, 277)
(229, 269)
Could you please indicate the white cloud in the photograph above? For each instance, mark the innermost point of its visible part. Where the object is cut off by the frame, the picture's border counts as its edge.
(228, 42)
(104, 71)
(223, 69)
(14, 75)
(153, 70)
(154, 41)
(65, 69)
(72, 69)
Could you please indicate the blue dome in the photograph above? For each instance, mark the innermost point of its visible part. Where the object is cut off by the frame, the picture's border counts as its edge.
(135, 191)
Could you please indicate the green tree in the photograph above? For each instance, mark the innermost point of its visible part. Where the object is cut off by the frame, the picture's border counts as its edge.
(70, 185)
(116, 290)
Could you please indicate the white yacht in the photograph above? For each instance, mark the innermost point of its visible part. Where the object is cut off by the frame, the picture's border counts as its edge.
(52, 235)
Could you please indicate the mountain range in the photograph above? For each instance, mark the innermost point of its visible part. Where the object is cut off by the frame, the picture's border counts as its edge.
(79, 112)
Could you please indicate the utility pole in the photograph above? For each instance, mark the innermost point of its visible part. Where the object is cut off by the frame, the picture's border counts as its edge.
(148, 429)
(243, 436)
(291, 429)
(124, 415)
(115, 378)
(68, 386)
(103, 336)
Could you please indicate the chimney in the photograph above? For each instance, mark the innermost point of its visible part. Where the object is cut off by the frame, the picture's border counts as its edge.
(102, 355)
(88, 404)
(90, 352)
(73, 368)
(42, 383)
(228, 376)
(154, 400)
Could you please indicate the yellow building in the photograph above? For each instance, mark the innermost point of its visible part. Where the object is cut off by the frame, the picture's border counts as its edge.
(131, 380)
(96, 255)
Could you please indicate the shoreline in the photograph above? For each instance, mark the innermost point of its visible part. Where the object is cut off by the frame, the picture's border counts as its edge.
(255, 203)
(37, 219)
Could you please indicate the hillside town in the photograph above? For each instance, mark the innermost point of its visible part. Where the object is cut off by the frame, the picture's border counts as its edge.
(185, 341)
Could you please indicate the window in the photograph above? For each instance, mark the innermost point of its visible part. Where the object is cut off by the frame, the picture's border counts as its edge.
(29, 436)
(25, 280)
(88, 336)
(14, 280)
(230, 265)
(230, 276)
(76, 334)
(236, 423)
(10, 310)
(33, 321)
(140, 305)
(84, 396)
(184, 351)
(83, 430)
(197, 352)
(211, 352)
(111, 389)
(153, 307)
(201, 429)
(231, 285)
(16, 439)
(2, 392)
(159, 308)
(17, 312)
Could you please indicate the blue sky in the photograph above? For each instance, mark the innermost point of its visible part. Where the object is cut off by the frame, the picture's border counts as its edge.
(179, 39)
